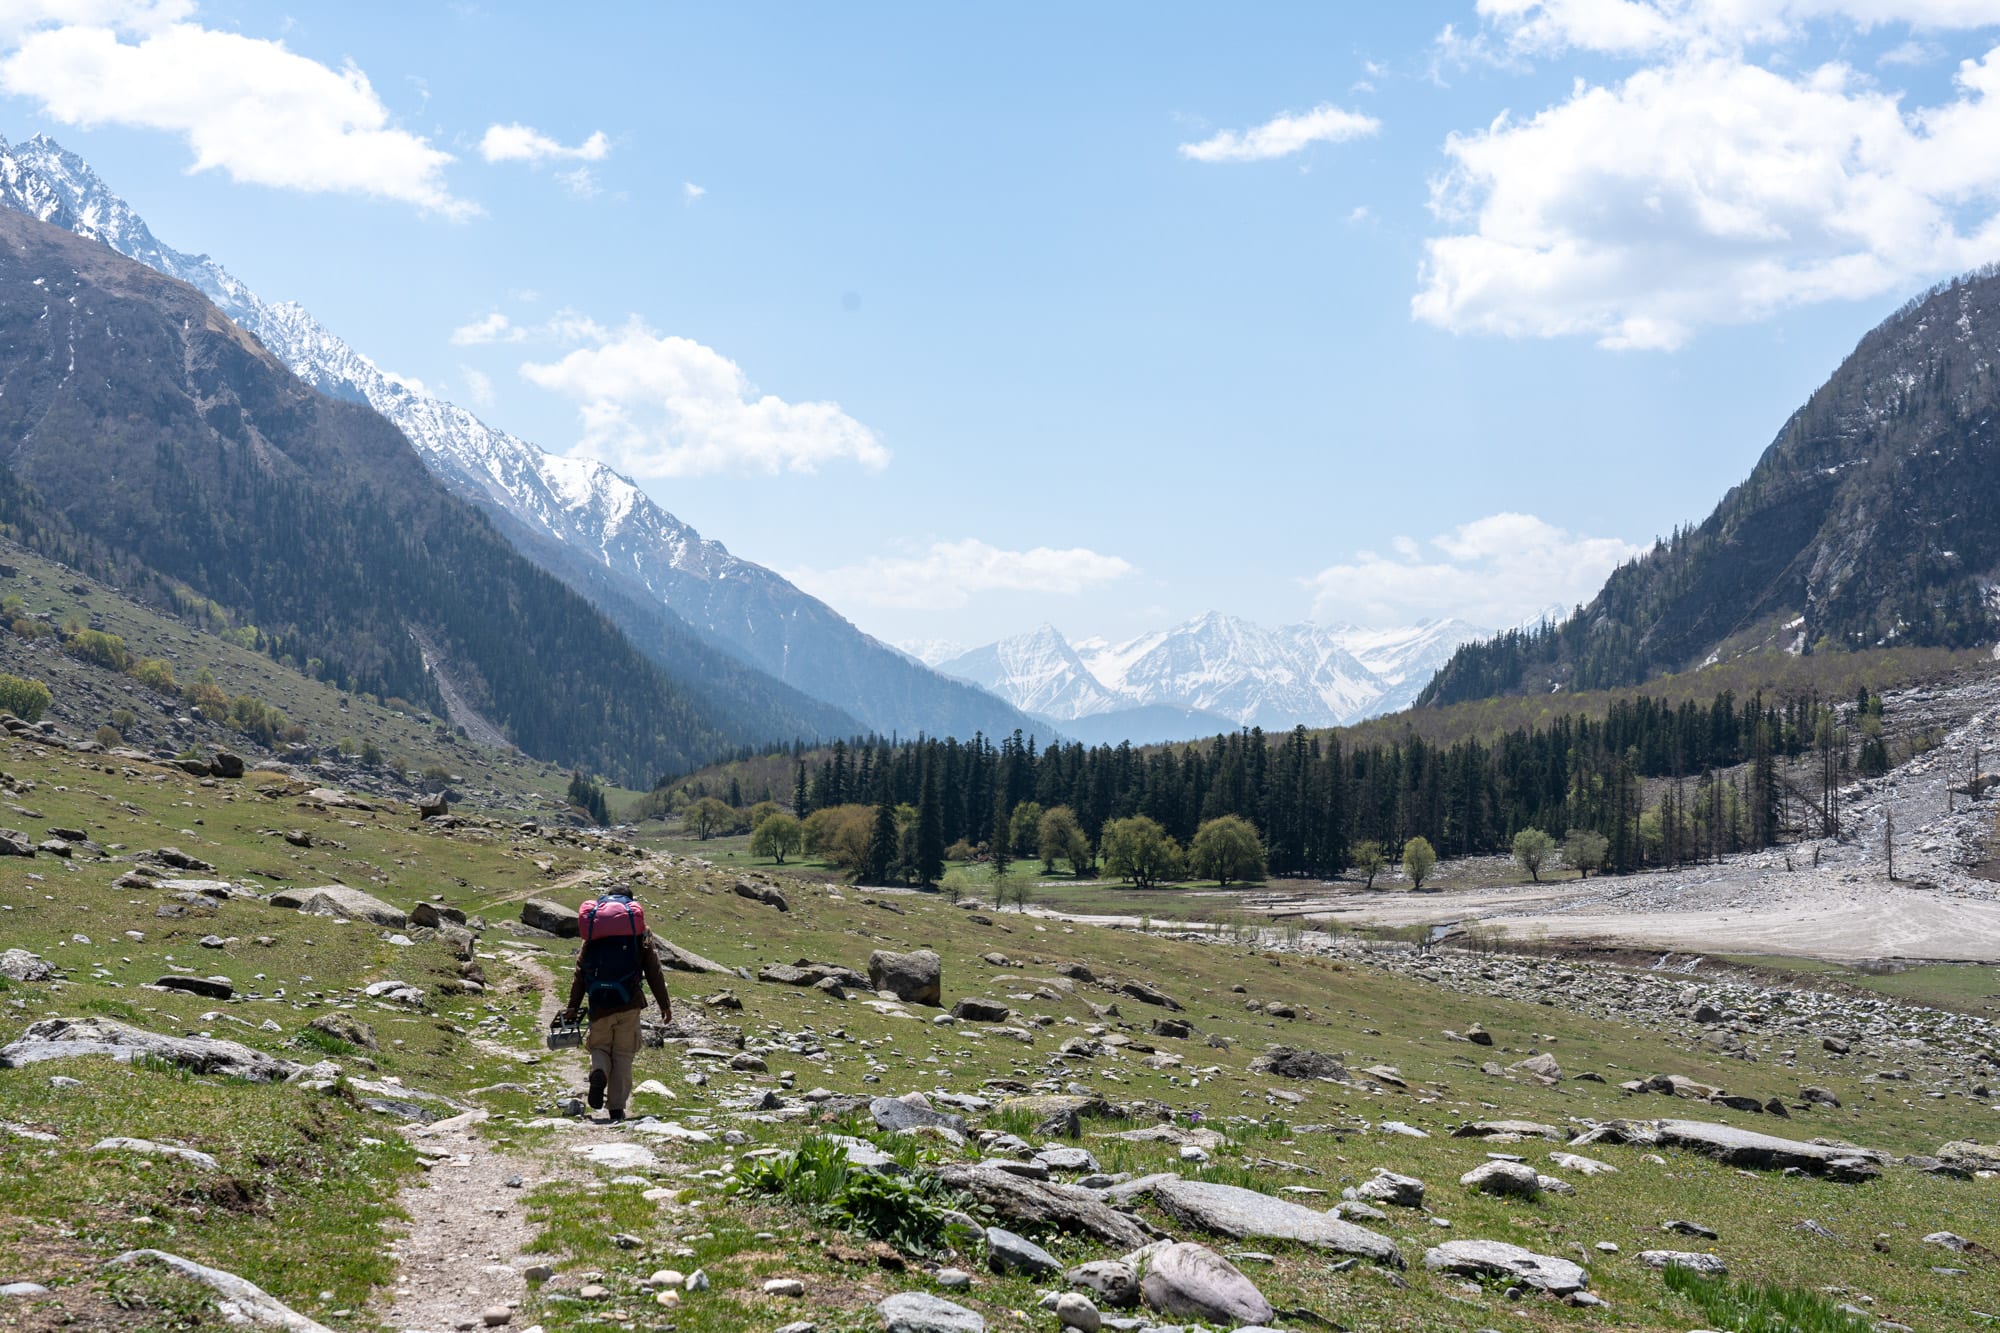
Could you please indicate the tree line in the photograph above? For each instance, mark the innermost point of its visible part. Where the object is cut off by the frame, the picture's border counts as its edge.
(1658, 783)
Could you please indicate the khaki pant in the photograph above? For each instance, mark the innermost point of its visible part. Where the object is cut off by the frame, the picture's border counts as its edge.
(613, 1041)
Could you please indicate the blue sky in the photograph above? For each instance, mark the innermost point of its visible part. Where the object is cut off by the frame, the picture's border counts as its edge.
(1104, 315)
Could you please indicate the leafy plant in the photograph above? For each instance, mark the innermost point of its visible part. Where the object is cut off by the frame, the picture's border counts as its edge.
(909, 1211)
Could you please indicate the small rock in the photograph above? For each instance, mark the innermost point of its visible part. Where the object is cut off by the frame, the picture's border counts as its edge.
(1076, 1311)
(495, 1315)
(784, 1286)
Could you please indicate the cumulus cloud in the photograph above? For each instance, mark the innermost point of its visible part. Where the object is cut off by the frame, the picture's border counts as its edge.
(947, 575)
(521, 143)
(691, 192)
(492, 328)
(478, 386)
(1709, 189)
(1656, 27)
(1496, 570)
(655, 405)
(1283, 135)
(249, 107)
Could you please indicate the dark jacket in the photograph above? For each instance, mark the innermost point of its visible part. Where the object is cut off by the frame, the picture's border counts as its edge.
(649, 962)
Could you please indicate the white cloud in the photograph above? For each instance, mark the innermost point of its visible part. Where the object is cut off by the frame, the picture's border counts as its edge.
(1496, 570)
(492, 328)
(581, 182)
(660, 406)
(250, 107)
(1710, 190)
(478, 386)
(1359, 214)
(521, 143)
(1283, 135)
(1657, 27)
(947, 575)
(691, 192)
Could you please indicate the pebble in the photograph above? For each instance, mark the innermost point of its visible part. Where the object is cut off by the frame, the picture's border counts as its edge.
(784, 1286)
(495, 1315)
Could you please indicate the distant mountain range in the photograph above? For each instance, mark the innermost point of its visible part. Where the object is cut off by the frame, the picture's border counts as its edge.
(1213, 673)
(654, 575)
(1872, 520)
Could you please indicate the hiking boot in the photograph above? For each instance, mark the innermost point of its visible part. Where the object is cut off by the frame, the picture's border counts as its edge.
(616, 1117)
(598, 1078)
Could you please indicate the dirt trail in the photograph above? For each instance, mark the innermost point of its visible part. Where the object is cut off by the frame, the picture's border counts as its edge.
(465, 1248)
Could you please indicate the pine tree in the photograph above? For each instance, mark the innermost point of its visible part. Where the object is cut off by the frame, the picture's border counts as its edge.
(884, 847)
(930, 830)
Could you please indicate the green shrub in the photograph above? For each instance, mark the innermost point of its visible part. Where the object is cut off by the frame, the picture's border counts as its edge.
(107, 650)
(24, 698)
(908, 1211)
(155, 673)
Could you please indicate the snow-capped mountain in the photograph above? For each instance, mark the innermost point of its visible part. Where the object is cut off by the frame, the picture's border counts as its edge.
(1215, 669)
(576, 517)
(1042, 675)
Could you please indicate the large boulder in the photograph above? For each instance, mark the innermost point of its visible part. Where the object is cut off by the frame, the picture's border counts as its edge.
(1742, 1147)
(557, 920)
(1294, 1062)
(911, 1112)
(915, 978)
(20, 965)
(676, 959)
(1243, 1214)
(1113, 1282)
(1508, 1180)
(1039, 1206)
(1009, 1253)
(342, 1027)
(970, 1010)
(1190, 1281)
(1498, 1259)
(339, 900)
(64, 1038)
(239, 1302)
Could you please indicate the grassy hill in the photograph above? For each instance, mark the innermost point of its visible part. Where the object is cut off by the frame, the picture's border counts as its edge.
(305, 1192)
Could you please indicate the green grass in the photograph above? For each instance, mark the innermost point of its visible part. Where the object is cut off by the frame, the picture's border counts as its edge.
(1756, 1307)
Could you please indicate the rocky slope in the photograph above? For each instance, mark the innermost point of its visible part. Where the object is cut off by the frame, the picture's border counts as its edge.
(149, 438)
(575, 517)
(1872, 519)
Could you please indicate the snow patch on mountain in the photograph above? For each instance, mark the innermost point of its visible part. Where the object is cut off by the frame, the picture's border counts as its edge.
(1217, 665)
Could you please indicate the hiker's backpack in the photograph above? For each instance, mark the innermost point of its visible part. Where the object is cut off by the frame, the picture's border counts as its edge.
(613, 927)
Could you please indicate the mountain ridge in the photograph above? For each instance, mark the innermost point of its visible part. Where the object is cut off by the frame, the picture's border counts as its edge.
(576, 517)
(1871, 519)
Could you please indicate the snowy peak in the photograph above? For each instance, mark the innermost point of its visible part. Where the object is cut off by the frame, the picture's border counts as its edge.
(1037, 672)
(1218, 665)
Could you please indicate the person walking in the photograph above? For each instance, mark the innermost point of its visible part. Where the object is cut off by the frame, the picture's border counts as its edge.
(615, 967)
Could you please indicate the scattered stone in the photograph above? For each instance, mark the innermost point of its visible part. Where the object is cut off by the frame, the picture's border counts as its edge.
(20, 965)
(1043, 1206)
(980, 1011)
(1478, 1035)
(1708, 1265)
(493, 1316)
(1390, 1188)
(1243, 1214)
(1293, 1062)
(148, 1148)
(1498, 1259)
(339, 900)
(1113, 1282)
(921, 1312)
(784, 1286)
(762, 893)
(1507, 1129)
(239, 1302)
(1511, 1180)
(1009, 1253)
(557, 920)
(1076, 1311)
(1542, 1067)
(63, 1038)
(1588, 1166)
(1191, 1280)
(912, 1111)
(1680, 1228)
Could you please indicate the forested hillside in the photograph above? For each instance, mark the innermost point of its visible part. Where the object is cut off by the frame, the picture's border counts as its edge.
(151, 441)
(1873, 519)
